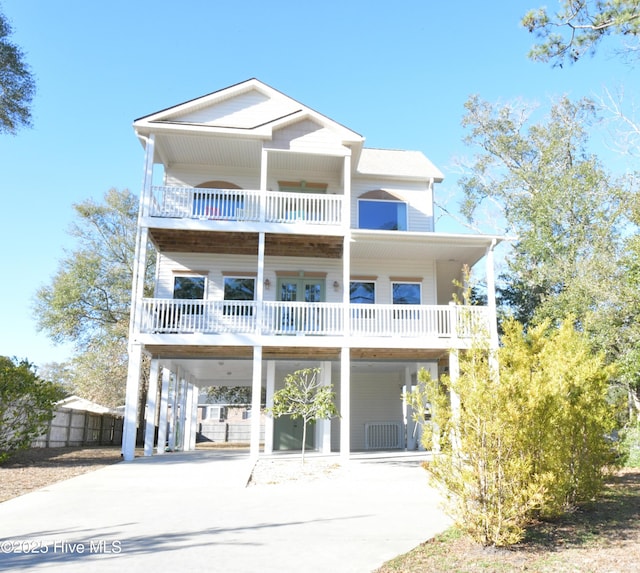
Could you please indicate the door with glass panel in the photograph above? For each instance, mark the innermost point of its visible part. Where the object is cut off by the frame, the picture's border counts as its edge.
(300, 318)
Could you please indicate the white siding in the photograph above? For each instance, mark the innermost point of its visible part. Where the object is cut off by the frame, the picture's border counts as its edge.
(398, 268)
(375, 397)
(305, 135)
(216, 264)
(191, 176)
(246, 110)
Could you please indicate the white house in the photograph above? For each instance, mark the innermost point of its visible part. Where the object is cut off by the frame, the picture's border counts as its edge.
(283, 242)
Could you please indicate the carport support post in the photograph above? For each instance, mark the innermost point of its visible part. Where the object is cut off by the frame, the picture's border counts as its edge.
(181, 419)
(174, 408)
(345, 403)
(256, 395)
(131, 404)
(164, 405)
(454, 374)
(152, 396)
(268, 421)
(411, 440)
(186, 442)
(194, 418)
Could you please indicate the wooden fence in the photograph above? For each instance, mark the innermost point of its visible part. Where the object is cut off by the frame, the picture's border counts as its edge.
(81, 428)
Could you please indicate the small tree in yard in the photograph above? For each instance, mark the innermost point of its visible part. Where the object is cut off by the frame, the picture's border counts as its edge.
(26, 405)
(303, 396)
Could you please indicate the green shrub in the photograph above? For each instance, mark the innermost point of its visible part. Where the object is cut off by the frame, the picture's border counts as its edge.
(26, 405)
(528, 436)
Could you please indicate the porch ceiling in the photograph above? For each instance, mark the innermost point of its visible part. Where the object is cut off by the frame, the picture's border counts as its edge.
(238, 152)
(379, 245)
(232, 365)
(234, 243)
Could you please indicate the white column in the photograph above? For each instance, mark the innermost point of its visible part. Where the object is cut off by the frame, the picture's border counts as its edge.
(256, 391)
(180, 437)
(186, 442)
(194, 418)
(263, 184)
(346, 205)
(147, 181)
(260, 283)
(268, 422)
(152, 397)
(411, 439)
(164, 405)
(491, 295)
(345, 403)
(454, 374)
(131, 402)
(173, 401)
(142, 238)
(324, 426)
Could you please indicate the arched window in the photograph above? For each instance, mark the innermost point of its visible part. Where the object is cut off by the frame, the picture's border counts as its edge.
(382, 210)
(221, 200)
(218, 185)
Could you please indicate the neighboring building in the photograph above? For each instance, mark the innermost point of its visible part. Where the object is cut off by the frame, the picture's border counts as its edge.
(283, 243)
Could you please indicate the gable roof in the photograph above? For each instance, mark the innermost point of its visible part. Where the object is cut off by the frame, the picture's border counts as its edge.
(251, 108)
(394, 163)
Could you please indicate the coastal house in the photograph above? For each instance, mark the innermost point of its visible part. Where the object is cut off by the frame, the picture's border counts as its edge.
(282, 242)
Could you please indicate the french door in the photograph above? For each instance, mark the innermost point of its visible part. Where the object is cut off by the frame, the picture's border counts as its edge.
(297, 318)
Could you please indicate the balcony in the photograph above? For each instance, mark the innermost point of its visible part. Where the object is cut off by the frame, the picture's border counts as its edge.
(170, 316)
(246, 205)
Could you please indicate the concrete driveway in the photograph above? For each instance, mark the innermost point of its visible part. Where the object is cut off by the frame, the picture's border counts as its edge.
(192, 512)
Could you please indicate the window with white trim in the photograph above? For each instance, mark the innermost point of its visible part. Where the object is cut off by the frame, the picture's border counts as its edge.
(239, 289)
(382, 215)
(406, 293)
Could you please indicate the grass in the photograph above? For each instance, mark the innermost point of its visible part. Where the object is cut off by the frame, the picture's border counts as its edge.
(600, 536)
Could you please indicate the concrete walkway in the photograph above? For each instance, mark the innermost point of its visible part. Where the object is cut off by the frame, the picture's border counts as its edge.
(192, 512)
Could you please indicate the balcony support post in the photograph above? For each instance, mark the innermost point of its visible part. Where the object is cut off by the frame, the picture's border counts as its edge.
(264, 165)
(491, 295)
(260, 283)
(346, 199)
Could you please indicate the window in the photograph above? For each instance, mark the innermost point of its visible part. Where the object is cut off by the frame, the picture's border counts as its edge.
(382, 215)
(239, 289)
(362, 292)
(188, 287)
(406, 293)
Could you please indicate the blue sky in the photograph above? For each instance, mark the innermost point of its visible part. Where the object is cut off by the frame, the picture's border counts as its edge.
(396, 72)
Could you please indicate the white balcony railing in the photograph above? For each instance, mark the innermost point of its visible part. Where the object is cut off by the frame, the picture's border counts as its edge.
(170, 316)
(245, 205)
(317, 318)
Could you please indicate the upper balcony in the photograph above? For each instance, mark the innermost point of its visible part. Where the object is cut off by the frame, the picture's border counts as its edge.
(247, 206)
